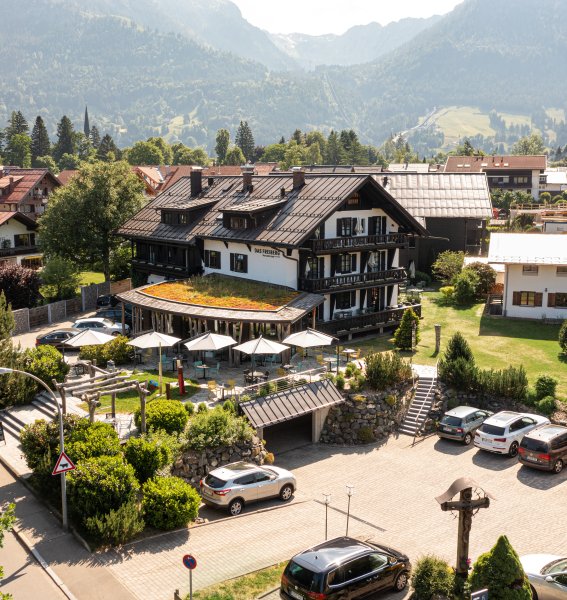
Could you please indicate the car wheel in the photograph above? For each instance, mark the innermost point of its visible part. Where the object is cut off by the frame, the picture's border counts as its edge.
(286, 492)
(401, 582)
(467, 439)
(235, 507)
(115, 333)
(558, 466)
(513, 450)
(534, 593)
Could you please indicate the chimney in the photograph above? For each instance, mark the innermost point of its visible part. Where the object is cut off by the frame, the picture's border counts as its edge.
(282, 192)
(384, 181)
(298, 177)
(196, 181)
(247, 172)
(11, 186)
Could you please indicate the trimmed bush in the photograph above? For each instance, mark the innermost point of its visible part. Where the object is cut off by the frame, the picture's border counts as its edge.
(147, 454)
(169, 502)
(511, 382)
(403, 334)
(386, 368)
(547, 405)
(432, 576)
(47, 363)
(202, 407)
(563, 337)
(447, 266)
(465, 284)
(340, 381)
(117, 350)
(99, 485)
(217, 427)
(229, 406)
(116, 527)
(87, 440)
(545, 385)
(459, 373)
(421, 276)
(500, 571)
(447, 293)
(189, 407)
(168, 415)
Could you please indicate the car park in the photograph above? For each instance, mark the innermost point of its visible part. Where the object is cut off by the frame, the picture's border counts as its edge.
(545, 448)
(115, 313)
(235, 485)
(100, 324)
(547, 574)
(57, 337)
(461, 422)
(342, 569)
(502, 432)
(107, 300)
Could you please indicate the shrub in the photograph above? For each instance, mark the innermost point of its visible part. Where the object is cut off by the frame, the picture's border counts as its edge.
(189, 408)
(340, 381)
(447, 266)
(391, 400)
(269, 459)
(20, 285)
(202, 407)
(229, 406)
(563, 337)
(99, 485)
(545, 385)
(147, 454)
(116, 350)
(217, 427)
(547, 405)
(486, 277)
(366, 435)
(421, 276)
(386, 368)
(116, 527)
(403, 334)
(457, 346)
(349, 370)
(459, 373)
(87, 440)
(447, 293)
(465, 284)
(511, 382)
(47, 363)
(431, 576)
(500, 571)
(358, 382)
(169, 502)
(168, 415)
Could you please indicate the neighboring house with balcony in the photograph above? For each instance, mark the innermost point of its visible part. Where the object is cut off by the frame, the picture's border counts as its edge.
(507, 173)
(453, 207)
(535, 276)
(26, 190)
(336, 235)
(18, 240)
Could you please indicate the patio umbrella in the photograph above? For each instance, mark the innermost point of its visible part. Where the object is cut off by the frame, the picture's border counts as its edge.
(154, 339)
(260, 346)
(210, 341)
(89, 337)
(309, 338)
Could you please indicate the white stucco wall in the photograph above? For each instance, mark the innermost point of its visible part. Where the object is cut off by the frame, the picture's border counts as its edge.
(546, 281)
(264, 263)
(331, 222)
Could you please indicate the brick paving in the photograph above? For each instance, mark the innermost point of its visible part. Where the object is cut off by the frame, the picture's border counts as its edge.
(394, 502)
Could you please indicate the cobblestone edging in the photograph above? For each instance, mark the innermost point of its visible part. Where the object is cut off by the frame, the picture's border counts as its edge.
(367, 417)
(193, 465)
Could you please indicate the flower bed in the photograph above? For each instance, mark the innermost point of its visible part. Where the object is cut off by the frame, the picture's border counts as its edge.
(223, 293)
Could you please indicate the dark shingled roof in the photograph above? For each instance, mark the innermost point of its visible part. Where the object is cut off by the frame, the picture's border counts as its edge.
(290, 220)
(289, 404)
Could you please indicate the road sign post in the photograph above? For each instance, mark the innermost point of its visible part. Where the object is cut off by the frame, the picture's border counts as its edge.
(190, 562)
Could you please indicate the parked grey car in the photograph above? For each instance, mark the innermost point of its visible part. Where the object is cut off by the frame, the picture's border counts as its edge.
(237, 484)
(547, 574)
(460, 423)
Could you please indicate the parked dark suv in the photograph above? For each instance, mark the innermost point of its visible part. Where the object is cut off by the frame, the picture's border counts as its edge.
(545, 448)
(344, 569)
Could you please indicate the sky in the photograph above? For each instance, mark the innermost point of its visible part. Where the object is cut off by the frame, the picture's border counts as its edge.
(317, 17)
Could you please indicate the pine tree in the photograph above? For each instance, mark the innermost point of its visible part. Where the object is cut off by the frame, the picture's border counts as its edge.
(86, 126)
(40, 144)
(95, 137)
(222, 143)
(65, 139)
(245, 140)
(18, 125)
(334, 152)
(107, 149)
(403, 334)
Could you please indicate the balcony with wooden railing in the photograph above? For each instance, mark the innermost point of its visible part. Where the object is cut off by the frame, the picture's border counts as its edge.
(353, 280)
(359, 242)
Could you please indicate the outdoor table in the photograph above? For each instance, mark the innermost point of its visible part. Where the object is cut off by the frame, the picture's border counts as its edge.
(204, 368)
(348, 352)
(255, 375)
(330, 360)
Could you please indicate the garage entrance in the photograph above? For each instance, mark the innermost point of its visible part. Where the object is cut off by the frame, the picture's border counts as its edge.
(289, 434)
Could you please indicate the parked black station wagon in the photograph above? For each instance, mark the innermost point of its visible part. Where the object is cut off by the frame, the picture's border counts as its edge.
(344, 569)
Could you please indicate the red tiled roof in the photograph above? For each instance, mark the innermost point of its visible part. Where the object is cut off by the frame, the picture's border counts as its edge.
(24, 181)
(478, 164)
(66, 175)
(6, 216)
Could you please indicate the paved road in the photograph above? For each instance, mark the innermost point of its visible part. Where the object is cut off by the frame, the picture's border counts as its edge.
(27, 340)
(394, 502)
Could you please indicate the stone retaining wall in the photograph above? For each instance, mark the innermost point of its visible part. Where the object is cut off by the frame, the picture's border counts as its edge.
(367, 416)
(193, 465)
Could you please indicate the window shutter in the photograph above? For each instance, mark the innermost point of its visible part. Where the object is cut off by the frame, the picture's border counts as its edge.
(339, 227)
(352, 298)
(551, 299)
(232, 261)
(207, 258)
(333, 264)
(538, 299)
(245, 264)
(352, 263)
(372, 225)
(516, 297)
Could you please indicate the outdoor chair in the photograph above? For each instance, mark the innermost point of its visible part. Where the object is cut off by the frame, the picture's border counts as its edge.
(215, 370)
(230, 387)
(266, 375)
(212, 385)
(196, 365)
(320, 360)
(281, 372)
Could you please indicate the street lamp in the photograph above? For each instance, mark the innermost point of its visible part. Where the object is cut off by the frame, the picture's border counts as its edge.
(6, 370)
(327, 498)
(350, 492)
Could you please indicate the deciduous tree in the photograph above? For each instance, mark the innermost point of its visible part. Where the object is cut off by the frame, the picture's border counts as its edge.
(532, 144)
(18, 151)
(60, 278)
(234, 156)
(448, 265)
(145, 153)
(221, 147)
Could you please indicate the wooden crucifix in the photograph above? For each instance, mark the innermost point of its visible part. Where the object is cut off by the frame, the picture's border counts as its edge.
(466, 506)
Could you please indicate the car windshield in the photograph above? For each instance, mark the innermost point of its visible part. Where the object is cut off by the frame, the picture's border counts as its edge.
(557, 566)
(307, 579)
(214, 482)
(449, 420)
(534, 445)
(491, 429)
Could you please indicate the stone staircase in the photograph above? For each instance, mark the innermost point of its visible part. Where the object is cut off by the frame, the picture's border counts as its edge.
(420, 406)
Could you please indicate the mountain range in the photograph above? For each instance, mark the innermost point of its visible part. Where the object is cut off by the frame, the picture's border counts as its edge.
(185, 69)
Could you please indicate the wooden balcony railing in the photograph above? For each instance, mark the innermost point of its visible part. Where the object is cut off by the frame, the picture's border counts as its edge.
(353, 280)
(17, 250)
(359, 242)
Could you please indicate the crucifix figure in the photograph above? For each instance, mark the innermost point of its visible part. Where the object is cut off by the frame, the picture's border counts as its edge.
(471, 499)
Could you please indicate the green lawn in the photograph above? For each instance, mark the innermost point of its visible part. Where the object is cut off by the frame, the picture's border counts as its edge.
(128, 402)
(88, 277)
(495, 341)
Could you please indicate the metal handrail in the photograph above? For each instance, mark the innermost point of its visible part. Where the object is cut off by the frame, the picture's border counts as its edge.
(292, 380)
(434, 382)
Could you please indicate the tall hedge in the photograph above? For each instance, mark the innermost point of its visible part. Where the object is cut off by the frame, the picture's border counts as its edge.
(166, 415)
(169, 502)
(403, 334)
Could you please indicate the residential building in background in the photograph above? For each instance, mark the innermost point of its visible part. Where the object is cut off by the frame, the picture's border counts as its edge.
(18, 243)
(26, 190)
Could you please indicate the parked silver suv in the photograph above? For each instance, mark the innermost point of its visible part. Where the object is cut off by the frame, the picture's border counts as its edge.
(460, 423)
(236, 484)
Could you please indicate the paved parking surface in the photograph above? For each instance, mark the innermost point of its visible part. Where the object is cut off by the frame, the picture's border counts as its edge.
(27, 340)
(394, 502)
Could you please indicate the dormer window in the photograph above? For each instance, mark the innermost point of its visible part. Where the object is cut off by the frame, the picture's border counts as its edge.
(171, 217)
(354, 200)
(238, 223)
